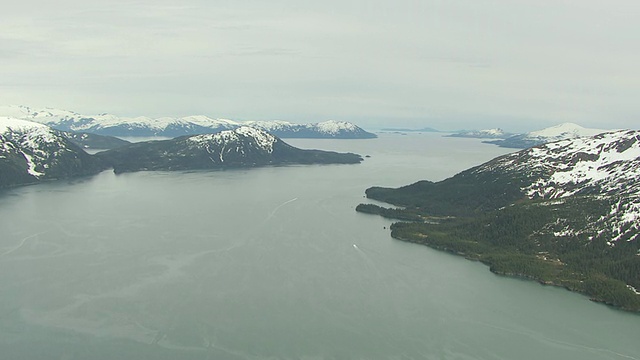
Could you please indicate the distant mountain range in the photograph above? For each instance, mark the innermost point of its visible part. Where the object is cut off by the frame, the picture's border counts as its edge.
(496, 133)
(554, 133)
(565, 213)
(111, 125)
(502, 138)
(31, 152)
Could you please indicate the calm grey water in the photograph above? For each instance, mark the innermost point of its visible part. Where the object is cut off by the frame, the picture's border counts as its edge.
(271, 263)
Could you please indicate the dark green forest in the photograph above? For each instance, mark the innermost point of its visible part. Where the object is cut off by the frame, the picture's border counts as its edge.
(560, 243)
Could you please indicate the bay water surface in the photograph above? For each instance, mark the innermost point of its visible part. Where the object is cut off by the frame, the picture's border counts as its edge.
(271, 263)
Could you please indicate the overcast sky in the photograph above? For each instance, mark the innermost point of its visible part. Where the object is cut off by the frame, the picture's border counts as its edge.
(518, 64)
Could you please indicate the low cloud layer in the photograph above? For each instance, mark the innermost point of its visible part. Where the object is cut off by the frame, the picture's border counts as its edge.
(447, 64)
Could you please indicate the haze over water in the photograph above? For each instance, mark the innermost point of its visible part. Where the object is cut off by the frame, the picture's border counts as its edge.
(271, 263)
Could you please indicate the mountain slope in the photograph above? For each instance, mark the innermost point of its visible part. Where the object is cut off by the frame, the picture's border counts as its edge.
(31, 152)
(564, 213)
(327, 129)
(94, 141)
(241, 147)
(337, 129)
(554, 133)
(111, 125)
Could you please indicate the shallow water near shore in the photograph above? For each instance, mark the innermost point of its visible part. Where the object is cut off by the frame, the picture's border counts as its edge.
(271, 263)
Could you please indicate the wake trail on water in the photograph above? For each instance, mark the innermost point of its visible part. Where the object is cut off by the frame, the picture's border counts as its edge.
(274, 211)
(21, 244)
(251, 235)
(374, 268)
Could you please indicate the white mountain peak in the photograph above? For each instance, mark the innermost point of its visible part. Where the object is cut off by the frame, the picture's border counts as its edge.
(13, 124)
(262, 138)
(565, 131)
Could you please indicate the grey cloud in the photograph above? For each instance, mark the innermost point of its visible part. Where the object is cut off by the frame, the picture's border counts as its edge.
(451, 62)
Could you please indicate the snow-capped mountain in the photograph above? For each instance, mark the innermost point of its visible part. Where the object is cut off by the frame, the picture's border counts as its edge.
(111, 125)
(605, 165)
(561, 132)
(554, 133)
(327, 129)
(244, 146)
(274, 127)
(337, 129)
(106, 124)
(495, 133)
(30, 152)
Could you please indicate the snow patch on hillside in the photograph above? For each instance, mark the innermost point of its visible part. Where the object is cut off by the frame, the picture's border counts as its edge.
(15, 111)
(605, 161)
(12, 124)
(275, 125)
(30, 134)
(334, 127)
(31, 166)
(493, 132)
(206, 121)
(30, 140)
(606, 165)
(261, 138)
(563, 131)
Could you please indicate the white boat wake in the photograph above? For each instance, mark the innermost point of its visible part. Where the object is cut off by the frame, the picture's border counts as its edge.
(273, 213)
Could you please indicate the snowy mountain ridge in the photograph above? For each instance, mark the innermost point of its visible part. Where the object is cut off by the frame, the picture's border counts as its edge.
(30, 152)
(106, 124)
(14, 126)
(495, 133)
(562, 131)
(606, 164)
(334, 127)
(234, 137)
(553, 133)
